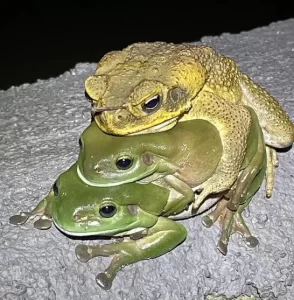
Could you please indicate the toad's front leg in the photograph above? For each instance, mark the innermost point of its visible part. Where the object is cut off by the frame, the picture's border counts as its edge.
(234, 124)
(161, 238)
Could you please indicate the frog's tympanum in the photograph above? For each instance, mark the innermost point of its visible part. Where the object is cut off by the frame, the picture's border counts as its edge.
(144, 214)
(149, 87)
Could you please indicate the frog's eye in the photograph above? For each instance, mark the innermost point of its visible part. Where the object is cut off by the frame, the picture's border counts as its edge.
(107, 211)
(151, 104)
(124, 162)
(80, 143)
(55, 189)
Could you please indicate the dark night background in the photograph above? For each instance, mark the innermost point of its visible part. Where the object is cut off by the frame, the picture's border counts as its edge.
(44, 39)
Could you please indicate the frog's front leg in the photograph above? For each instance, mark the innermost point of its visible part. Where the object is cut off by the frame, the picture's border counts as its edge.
(43, 209)
(233, 123)
(181, 201)
(160, 239)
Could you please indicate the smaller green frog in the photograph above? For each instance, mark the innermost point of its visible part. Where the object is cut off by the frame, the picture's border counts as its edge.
(140, 213)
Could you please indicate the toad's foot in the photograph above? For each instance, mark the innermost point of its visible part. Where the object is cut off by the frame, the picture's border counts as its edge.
(161, 238)
(231, 222)
(42, 209)
(272, 163)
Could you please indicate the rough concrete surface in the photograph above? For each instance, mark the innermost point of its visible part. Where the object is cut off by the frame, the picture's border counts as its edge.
(40, 125)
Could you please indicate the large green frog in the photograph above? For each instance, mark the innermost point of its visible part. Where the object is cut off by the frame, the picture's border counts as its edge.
(141, 213)
(190, 151)
(149, 87)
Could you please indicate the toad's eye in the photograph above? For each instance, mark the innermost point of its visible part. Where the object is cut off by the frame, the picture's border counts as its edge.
(80, 143)
(55, 189)
(107, 211)
(124, 163)
(151, 104)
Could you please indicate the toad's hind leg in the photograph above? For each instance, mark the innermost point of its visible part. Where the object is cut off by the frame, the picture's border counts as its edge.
(272, 163)
(277, 128)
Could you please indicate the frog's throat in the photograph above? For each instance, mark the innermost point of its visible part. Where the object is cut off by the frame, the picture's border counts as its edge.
(130, 229)
(160, 127)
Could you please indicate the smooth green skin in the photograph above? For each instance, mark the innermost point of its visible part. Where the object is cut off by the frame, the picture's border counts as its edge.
(190, 151)
(144, 213)
(147, 223)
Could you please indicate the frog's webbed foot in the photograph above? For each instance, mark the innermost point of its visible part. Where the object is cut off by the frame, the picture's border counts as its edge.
(231, 222)
(161, 238)
(43, 223)
(272, 163)
(42, 210)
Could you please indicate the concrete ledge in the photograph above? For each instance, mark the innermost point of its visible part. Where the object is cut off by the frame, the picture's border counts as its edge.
(40, 125)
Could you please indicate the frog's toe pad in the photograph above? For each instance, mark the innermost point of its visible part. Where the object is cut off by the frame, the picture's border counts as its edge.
(251, 241)
(19, 219)
(43, 224)
(222, 247)
(104, 281)
(82, 253)
(207, 221)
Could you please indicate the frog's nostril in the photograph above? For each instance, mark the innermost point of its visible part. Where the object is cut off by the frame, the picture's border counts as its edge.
(79, 217)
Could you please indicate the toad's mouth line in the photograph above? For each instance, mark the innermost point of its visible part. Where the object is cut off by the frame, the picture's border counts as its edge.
(166, 125)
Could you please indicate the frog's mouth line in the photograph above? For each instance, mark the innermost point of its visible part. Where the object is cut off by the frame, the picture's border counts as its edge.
(129, 229)
(91, 183)
(155, 128)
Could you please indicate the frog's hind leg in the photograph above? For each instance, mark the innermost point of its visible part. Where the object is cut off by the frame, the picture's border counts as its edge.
(161, 238)
(43, 209)
(231, 220)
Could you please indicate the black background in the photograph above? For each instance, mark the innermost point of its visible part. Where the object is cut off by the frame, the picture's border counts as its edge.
(43, 39)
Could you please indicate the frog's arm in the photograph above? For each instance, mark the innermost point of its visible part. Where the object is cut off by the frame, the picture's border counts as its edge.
(233, 123)
(160, 239)
(177, 204)
(43, 209)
